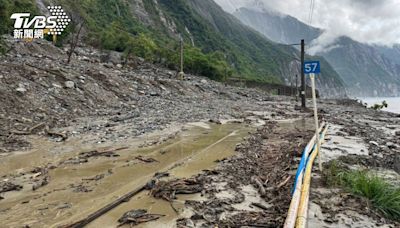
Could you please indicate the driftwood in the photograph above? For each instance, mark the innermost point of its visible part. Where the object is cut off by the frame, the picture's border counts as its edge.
(146, 160)
(8, 186)
(55, 134)
(29, 131)
(105, 209)
(135, 217)
(280, 185)
(259, 185)
(84, 156)
(41, 177)
(259, 205)
(167, 190)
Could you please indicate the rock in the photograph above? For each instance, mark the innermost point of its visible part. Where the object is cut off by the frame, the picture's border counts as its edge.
(108, 65)
(141, 92)
(119, 65)
(56, 85)
(216, 121)
(154, 94)
(391, 145)
(21, 89)
(69, 84)
(397, 163)
(111, 57)
(203, 81)
(397, 133)
(373, 143)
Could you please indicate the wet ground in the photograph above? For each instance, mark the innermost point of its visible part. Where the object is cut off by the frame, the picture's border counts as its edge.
(79, 186)
(359, 139)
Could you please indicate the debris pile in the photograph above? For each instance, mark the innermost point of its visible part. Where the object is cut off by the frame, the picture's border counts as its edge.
(6, 186)
(168, 190)
(40, 177)
(84, 156)
(267, 161)
(135, 217)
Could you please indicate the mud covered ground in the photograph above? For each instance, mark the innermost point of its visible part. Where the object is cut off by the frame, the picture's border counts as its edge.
(253, 188)
(74, 137)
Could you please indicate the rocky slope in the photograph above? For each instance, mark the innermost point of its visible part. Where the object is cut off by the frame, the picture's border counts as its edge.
(40, 92)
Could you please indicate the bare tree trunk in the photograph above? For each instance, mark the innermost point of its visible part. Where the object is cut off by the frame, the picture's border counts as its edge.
(74, 42)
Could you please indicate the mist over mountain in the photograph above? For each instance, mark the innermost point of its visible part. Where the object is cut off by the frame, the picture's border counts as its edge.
(277, 27)
(217, 44)
(367, 70)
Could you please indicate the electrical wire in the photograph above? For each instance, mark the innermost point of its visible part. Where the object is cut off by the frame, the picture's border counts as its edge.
(311, 13)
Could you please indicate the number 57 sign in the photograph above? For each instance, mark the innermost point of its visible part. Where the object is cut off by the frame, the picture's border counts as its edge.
(312, 67)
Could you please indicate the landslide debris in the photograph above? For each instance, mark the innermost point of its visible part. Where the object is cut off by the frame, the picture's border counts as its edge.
(43, 95)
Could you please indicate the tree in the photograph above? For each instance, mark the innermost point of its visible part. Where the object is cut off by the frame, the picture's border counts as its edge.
(74, 42)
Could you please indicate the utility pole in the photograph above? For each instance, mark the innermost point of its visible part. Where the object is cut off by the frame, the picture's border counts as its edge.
(181, 75)
(303, 78)
(297, 88)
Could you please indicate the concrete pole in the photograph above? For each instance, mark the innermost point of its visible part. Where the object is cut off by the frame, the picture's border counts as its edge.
(314, 97)
(303, 78)
(297, 88)
(181, 75)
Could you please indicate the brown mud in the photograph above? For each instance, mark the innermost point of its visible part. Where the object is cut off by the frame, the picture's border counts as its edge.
(96, 177)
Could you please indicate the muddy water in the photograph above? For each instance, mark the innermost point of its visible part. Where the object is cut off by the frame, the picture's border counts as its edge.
(58, 203)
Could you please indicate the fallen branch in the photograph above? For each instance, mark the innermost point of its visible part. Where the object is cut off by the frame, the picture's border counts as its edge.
(105, 209)
(135, 217)
(259, 205)
(280, 185)
(283, 183)
(56, 134)
(259, 185)
(146, 160)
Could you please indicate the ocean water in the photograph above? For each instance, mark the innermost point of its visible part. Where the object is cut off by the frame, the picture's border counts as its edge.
(393, 102)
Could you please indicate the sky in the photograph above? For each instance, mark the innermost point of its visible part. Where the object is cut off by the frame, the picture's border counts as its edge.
(367, 21)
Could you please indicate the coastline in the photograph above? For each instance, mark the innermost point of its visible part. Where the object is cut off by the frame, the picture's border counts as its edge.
(393, 103)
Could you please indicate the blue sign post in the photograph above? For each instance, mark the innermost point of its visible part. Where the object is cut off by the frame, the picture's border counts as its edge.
(312, 67)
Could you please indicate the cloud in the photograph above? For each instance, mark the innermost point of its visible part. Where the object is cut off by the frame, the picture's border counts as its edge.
(367, 21)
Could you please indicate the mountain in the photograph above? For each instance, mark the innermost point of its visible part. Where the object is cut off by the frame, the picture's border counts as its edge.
(367, 70)
(276, 26)
(217, 44)
(392, 53)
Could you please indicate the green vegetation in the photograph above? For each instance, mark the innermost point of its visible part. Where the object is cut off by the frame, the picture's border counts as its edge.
(217, 45)
(253, 57)
(8, 7)
(380, 106)
(384, 197)
(113, 26)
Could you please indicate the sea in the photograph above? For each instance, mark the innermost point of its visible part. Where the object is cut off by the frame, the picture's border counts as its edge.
(393, 102)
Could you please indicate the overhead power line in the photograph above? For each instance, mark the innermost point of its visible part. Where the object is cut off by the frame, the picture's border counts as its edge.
(311, 13)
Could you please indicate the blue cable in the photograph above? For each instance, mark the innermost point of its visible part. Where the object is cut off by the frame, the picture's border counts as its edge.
(303, 163)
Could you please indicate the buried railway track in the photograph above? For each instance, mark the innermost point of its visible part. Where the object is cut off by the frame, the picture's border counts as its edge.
(150, 181)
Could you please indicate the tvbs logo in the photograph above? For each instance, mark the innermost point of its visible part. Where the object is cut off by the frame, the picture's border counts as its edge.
(38, 26)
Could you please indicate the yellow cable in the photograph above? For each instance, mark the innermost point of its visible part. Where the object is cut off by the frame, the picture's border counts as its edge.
(294, 204)
(305, 191)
